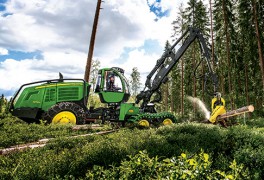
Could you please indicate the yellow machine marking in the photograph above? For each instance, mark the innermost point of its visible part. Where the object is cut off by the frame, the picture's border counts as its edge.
(36, 102)
(53, 85)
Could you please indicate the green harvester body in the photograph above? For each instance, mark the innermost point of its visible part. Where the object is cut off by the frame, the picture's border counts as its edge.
(35, 100)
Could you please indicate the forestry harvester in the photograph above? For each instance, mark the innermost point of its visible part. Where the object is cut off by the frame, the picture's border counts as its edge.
(64, 100)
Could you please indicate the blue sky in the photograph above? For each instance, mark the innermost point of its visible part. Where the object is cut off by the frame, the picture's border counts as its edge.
(2, 6)
(20, 55)
(40, 38)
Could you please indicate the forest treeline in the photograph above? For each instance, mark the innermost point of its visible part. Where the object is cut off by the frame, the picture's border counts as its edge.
(234, 31)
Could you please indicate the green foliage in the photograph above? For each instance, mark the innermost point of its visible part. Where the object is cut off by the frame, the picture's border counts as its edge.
(15, 131)
(253, 122)
(135, 81)
(3, 107)
(94, 100)
(141, 166)
(235, 151)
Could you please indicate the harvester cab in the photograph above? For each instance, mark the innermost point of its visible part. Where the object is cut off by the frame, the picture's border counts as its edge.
(112, 86)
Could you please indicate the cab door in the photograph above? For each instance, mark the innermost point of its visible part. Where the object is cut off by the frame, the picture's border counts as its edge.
(111, 86)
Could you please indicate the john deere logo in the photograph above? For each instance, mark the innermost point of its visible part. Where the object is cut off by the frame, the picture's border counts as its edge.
(36, 102)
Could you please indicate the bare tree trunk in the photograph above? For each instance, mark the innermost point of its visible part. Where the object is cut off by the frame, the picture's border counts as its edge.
(261, 60)
(166, 96)
(194, 83)
(228, 54)
(212, 31)
(246, 86)
(203, 82)
(182, 87)
(172, 84)
(172, 101)
(92, 41)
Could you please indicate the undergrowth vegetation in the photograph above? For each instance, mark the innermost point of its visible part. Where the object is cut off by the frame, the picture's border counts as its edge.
(15, 131)
(180, 151)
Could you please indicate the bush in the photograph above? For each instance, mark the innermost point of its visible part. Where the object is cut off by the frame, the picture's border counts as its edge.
(15, 131)
(141, 166)
(73, 158)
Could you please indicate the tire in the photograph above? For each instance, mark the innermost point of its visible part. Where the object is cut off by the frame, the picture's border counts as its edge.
(65, 112)
(143, 123)
(167, 121)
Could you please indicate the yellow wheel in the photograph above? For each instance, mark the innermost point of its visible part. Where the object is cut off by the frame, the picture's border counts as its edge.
(64, 117)
(65, 112)
(167, 121)
(143, 123)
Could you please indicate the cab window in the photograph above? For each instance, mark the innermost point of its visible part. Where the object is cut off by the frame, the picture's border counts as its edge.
(112, 82)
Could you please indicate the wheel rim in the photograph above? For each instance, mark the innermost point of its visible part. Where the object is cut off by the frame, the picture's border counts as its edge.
(167, 121)
(143, 123)
(64, 117)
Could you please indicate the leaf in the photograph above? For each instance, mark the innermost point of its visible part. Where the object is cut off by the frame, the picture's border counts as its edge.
(206, 157)
(183, 156)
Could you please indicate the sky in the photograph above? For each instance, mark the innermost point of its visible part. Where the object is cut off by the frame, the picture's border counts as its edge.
(40, 38)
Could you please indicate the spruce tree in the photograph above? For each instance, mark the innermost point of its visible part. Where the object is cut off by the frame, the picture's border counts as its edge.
(2, 101)
(224, 26)
(135, 81)
(179, 27)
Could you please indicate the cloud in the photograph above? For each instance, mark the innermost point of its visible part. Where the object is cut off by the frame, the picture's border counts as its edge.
(60, 30)
(3, 51)
(70, 64)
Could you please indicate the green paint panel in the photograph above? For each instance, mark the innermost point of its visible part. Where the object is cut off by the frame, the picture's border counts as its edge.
(127, 109)
(30, 97)
(112, 97)
(44, 96)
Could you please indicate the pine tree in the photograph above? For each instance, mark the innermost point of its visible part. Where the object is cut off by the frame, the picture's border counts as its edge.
(258, 37)
(2, 102)
(224, 26)
(135, 81)
(249, 51)
(94, 72)
(197, 16)
(179, 26)
(165, 87)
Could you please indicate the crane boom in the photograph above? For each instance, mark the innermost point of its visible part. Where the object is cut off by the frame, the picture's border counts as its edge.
(163, 67)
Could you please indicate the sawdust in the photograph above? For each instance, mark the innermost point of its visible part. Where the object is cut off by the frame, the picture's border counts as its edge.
(201, 105)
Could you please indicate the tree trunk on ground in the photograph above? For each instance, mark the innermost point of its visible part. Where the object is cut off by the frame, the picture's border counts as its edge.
(236, 112)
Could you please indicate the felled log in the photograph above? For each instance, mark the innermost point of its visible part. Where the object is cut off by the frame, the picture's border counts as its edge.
(236, 112)
(86, 127)
(43, 142)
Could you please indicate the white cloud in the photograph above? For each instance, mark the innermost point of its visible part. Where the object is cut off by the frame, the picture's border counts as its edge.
(139, 59)
(20, 72)
(61, 29)
(3, 51)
